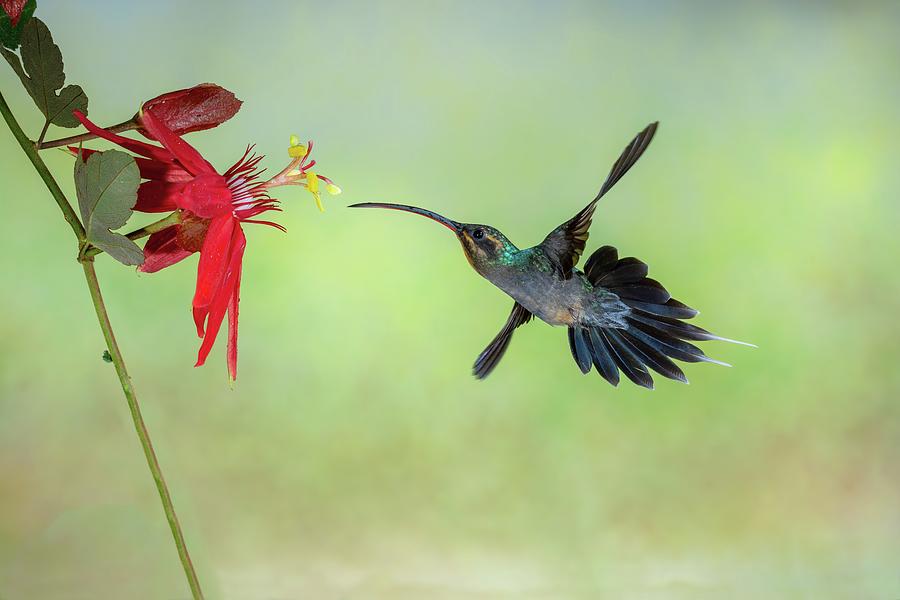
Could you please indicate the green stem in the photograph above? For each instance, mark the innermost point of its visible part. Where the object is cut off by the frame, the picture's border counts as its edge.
(90, 275)
(31, 152)
(172, 219)
(77, 139)
(43, 133)
(125, 380)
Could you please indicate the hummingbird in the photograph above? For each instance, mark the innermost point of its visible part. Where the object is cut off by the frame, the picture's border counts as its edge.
(617, 318)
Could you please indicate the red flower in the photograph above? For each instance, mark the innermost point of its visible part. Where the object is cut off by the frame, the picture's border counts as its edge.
(13, 8)
(213, 206)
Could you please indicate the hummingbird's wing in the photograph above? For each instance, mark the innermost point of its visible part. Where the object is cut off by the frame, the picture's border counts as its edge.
(565, 244)
(488, 359)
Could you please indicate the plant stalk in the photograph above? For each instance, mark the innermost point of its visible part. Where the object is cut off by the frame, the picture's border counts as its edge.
(31, 152)
(83, 137)
(43, 133)
(90, 275)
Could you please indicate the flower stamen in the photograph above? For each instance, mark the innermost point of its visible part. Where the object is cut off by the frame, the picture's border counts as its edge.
(298, 172)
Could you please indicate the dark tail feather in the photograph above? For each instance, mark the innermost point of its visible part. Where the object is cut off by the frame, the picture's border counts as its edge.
(670, 346)
(580, 351)
(627, 359)
(603, 360)
(654, 332)
(630, 350)
(653, 358)
(671, 308)
(684, 331)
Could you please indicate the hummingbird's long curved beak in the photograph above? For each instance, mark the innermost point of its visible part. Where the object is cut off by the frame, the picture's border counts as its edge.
(448, 223)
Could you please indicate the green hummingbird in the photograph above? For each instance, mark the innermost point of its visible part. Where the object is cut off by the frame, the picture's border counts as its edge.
(617, 317)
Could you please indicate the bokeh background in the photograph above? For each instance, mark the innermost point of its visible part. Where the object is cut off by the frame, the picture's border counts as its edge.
(356, 457)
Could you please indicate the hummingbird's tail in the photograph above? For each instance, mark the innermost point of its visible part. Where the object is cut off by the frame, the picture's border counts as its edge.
(655, 332)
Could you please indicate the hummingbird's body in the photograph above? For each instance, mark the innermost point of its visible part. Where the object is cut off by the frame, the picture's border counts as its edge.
(529, 278)
(617, 317)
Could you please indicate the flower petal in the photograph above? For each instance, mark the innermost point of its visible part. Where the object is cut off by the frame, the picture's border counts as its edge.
(206, 196)
(186, 154)
(163, 250)
(152, 169)
(149, 168)
(211, 270)
(231, 351)
(227, 291)
(142, 148)
(158, 196)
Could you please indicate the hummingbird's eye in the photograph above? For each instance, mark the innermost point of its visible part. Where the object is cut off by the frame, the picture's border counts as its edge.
(478, 234)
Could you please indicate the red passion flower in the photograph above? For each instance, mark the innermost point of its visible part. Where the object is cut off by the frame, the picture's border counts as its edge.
(213, 207)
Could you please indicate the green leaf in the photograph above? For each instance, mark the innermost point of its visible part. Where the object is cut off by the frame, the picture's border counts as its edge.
(9, 35)
(107, 185)
(41, 71)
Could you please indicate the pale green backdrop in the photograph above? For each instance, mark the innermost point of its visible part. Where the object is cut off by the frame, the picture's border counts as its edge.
(356, 457)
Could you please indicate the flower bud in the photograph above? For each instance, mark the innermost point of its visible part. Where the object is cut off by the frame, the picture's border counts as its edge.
(13, 9)
(201, 107)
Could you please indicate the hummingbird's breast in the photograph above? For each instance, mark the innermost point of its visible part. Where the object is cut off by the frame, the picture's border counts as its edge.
(534, 284)
(554, 300)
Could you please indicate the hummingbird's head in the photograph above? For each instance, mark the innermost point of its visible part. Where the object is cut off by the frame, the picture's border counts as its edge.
(484, 246)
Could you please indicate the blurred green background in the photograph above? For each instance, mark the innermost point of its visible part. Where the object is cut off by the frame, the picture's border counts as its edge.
(356, 457)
